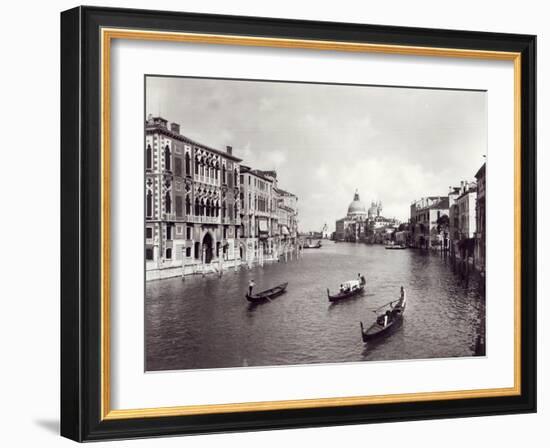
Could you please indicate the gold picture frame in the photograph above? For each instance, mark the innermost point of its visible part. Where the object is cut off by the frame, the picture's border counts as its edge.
(109, 30)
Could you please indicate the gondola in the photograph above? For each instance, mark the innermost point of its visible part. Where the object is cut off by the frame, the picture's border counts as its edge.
(384, 322)
(310, 245)
(395, 246)
(354, 288)
(268, 294)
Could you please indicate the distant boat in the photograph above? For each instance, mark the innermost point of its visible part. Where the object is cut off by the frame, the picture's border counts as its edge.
(310, 245)
(349, 289)
(268, 294)
(395, 246)
(384, 322)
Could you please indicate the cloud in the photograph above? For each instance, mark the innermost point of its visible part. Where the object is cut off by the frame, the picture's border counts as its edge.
(393, 144)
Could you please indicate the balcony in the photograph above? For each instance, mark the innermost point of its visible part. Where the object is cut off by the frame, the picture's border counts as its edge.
(203, 219)
(168, 216)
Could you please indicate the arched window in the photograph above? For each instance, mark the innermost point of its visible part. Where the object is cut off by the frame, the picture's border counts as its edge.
(196, 165)
(168, 202)
(149, 157)
(187, 164)
(167, 160)
(208, 207)
(224, 180)
(197, 207)
(187, 205)
(149, 204)
(224, 210)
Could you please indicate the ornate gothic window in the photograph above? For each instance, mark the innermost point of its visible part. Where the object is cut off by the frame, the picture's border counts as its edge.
(167, 161)
(168, 202)
(149, 204)
(187, 164)
(149, 157)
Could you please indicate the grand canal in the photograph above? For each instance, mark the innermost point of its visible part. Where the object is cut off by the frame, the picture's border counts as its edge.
(207, 322)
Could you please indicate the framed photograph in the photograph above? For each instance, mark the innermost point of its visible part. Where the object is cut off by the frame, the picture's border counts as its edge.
(273, 223)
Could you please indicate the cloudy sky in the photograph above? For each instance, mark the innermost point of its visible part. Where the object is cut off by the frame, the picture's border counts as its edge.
(392, 144)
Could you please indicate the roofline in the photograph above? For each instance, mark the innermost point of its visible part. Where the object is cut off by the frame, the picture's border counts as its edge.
(280, 190)
(467, 192)
(154, 127)
(482, 168)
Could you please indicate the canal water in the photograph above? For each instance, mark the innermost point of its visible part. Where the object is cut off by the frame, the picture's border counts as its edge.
(207, 322)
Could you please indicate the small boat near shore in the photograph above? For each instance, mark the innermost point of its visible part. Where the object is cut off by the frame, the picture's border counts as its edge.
(268, 294)
(348, 289)
(385, 321)
(309, 244)
(395, 246)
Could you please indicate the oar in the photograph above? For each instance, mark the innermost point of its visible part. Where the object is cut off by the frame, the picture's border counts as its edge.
(382, 306)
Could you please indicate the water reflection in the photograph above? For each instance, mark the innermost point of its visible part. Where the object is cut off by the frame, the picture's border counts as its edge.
(207, 322)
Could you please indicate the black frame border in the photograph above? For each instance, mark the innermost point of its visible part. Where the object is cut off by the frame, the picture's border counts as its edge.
(81, 223)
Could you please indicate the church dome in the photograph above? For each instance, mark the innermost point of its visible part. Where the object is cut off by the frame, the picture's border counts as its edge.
(357, 207)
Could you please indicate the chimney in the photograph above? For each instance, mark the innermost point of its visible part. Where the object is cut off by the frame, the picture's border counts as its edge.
(229, 150)
(174, 127)
(159, 121)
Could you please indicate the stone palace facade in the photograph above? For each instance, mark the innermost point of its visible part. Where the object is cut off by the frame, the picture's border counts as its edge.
(202, 214)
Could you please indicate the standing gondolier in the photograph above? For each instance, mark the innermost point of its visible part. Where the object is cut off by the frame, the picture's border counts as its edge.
(250, 287)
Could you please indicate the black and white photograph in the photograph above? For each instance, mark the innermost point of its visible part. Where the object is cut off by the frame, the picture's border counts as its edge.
(296, 223)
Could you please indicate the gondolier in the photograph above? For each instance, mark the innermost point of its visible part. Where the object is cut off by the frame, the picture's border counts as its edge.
(386, 320)
(250, 287)
(267, 295)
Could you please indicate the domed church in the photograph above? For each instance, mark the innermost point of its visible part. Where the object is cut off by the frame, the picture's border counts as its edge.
(357, 209)
(354, 226)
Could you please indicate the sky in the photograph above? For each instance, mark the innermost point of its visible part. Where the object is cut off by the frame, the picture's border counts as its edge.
(392, 144)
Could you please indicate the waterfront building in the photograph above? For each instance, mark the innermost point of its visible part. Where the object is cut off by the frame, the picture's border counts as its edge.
(480, 220)
(453, 232)
(353, 227)
(466, 203)
(403, 235)
(259, 218)
(466, 206)
(425, 221)
(375, 210)
(192, 209)
(287, 212)
(360, 225)
(269, 216)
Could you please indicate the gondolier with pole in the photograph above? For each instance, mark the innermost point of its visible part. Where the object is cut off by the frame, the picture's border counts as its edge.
(250, 287)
